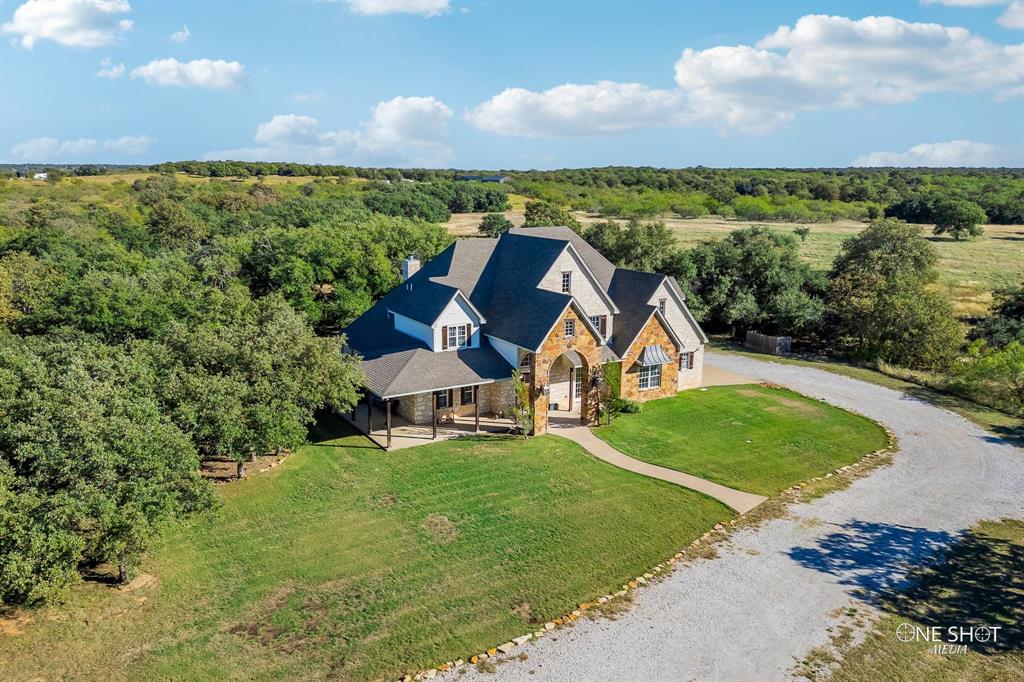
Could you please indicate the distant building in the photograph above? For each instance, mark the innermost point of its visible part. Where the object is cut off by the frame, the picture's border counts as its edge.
(20, 174)
(484, 178)
(40, 176)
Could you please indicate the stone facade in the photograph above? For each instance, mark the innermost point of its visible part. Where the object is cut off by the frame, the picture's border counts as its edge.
(586, 344)
(494, 397)
(654, 332)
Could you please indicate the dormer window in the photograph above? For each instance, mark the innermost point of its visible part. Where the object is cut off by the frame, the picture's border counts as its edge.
(525, 363)
(566, 282)
(457, 336)
(661, 306)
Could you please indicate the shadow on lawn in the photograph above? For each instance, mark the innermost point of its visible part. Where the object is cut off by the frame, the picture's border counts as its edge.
(975, 579)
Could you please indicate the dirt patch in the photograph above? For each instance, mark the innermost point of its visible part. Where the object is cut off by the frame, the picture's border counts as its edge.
(14, 625)
(749, 392)
(139, 582)
(524, 611)
(441, 528)
(385, 501)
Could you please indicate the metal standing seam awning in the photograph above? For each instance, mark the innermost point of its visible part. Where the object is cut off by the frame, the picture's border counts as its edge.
(653, 355)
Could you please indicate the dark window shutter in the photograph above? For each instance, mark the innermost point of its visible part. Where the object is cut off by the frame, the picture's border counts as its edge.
(604, 325)
(444, 338)
(469, 334)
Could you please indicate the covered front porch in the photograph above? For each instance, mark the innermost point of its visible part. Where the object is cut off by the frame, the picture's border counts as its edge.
(379, 419)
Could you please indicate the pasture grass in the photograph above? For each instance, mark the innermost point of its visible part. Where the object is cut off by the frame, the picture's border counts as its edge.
(347, 562)
(754, 438)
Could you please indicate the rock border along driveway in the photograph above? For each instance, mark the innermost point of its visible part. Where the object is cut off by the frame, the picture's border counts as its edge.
(741, 501)
(765, 602)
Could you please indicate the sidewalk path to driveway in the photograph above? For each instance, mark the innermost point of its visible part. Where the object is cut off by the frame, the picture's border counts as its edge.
(771, 595)
(737, 499)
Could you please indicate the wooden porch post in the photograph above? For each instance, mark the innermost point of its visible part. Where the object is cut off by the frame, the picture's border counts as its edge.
(476, 406)
(433, 413)
(388, 403)
(369, 414)
(572, 385)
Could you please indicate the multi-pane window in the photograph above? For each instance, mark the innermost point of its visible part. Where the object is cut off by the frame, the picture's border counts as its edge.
(444, 398)
(570, 328)
(468, 396)
(566, 282)
(524, 363)
(650, 377)
(596, 321)
(661, 306)
(457, 336)
(686, 360)
(577, 385)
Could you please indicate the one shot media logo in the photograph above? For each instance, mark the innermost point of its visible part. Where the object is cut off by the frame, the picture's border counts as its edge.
(953, 639)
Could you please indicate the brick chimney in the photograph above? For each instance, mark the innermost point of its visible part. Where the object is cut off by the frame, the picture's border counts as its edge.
(410, 266)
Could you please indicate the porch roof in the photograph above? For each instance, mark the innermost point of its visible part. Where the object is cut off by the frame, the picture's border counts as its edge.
(419, 370)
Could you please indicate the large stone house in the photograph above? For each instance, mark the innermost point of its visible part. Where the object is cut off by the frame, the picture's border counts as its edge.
(443, 344)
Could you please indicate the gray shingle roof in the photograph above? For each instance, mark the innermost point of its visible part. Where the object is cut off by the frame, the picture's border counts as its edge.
(419, 370)
(499, 277)
(631, 290)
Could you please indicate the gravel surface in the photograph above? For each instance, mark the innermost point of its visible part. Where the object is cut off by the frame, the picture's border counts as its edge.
(764, 603)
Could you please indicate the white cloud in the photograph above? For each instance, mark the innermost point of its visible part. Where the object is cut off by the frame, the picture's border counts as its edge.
(822, 62)
(406, 131)
(1013, 17)
(566, 110)
(83, 23)
(947, 154)
(307, 96)
(427, 8)
(52, 150)
(199, 73)
(108, 69)
(180, 36)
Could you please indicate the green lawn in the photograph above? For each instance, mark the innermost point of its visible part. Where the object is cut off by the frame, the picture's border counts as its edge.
(750, 437)
(988, 418)
(348, 562)
(979, 583)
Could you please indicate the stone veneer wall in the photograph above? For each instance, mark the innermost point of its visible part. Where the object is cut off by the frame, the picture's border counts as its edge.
(493, 397)
(652, 333)
(585, 343)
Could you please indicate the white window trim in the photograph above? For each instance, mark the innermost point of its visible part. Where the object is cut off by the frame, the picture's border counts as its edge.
(567, 282)
(648, 380)
(570, 328)
(455, 332)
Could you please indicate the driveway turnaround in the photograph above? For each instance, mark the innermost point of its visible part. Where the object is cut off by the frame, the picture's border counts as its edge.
(765, 602)
(737, 499)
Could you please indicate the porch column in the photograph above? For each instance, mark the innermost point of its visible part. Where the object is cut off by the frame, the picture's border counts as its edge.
(476, 406)
(433, 413)
(388, 403)
(572, 385)
(369, 414)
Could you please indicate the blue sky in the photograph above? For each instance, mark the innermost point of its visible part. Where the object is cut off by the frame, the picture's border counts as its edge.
(514, 84)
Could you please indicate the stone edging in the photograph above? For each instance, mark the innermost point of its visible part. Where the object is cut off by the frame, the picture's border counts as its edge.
(658, 571)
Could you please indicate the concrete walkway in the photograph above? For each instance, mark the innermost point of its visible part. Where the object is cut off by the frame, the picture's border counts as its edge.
(737, 499)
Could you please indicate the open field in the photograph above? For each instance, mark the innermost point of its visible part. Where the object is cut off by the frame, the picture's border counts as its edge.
(351, 563)
(969, 270)
(977, 584)
(753, 438)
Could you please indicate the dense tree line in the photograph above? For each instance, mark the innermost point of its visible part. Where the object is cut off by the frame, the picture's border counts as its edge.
(146, 327)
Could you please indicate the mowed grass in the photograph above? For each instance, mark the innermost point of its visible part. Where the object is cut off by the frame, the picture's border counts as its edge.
(351, 563)
(992, 420)
(979, 583)
(750, 437)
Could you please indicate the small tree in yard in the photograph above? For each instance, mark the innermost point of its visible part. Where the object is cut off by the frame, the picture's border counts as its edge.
(522, 412)
(802, 232)
(494, 224)
(959, 218)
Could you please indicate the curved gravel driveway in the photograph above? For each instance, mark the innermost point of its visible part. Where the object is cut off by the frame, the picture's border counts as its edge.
(760, 607)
